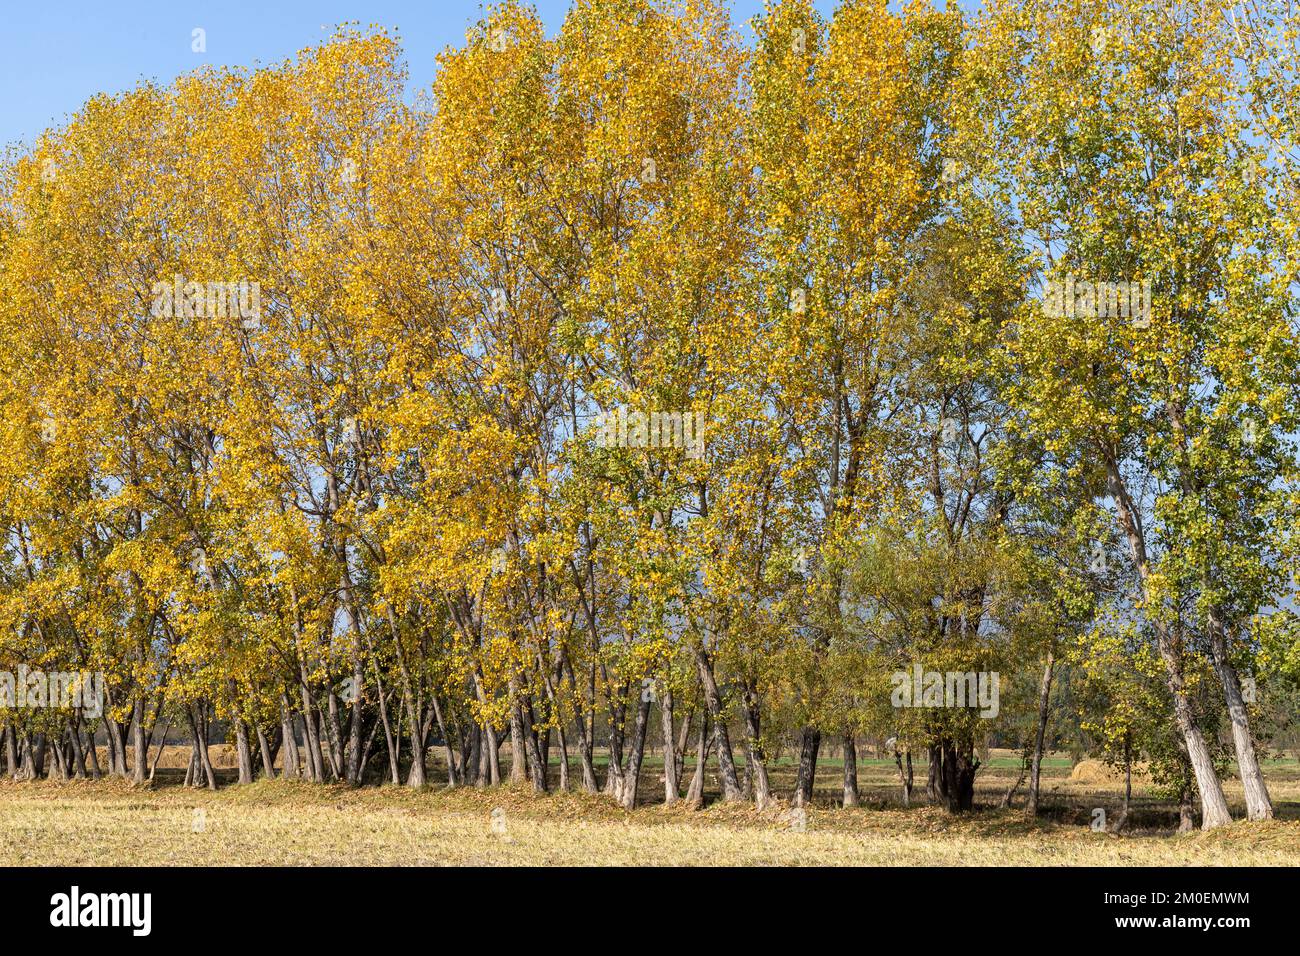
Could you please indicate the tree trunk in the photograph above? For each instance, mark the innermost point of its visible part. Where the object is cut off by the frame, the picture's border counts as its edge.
(492, 751)
(115, 735)
(757, 756)
(354, 767)
(138, 741)
(290, 745)
(1258, 804)
(683, 740)
(695, 795)
(1186, 819)
(454, 774)
(537, 761)
(417, 777)
(713, 702)
(1025, 758)
(162, 743)
(850, 772)
(243, 754)
(1128, 784)
(474, 758)
(517, 757)
(632, 773)
(95, 772)
(1214, 808)
(268, 761)
(1035, 767)
(670, 748)
(11, 750)
(78, 755)
(614, 769)
(562, 742)
(959, 768)
(200, 726)
(809, 744)
(904, 776)
(586, 743)
(311, 731)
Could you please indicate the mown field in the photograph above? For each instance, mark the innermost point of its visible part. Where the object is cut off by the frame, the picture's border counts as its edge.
(282, 822)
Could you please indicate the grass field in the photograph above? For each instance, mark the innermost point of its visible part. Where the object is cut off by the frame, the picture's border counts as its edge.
(281, 822)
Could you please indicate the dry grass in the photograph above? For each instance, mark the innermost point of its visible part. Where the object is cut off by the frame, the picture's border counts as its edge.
(281, 822)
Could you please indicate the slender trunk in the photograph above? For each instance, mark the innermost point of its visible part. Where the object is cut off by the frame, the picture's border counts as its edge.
(1128, 777)
(391, 742)
(162, 743)
(453, 773)
(713, 702)
(537, 760)
(114, 736)
(489, 755)
(78, 755)
(670, 748)
(290, 744)
(683, 739)
(57, 767)
(35, 756)
(934, 782)
(850, 772)
(474, 758)
(351, 760)
(517, 758)
(755, 754)
(138, 741)
(1035, 767)
(564, 758)
(201, 742)
(204, 753)
(632, 774)
(1128, 783)
(311, 733)
(492, 753)
(904, 776)
(809, 743)
(11, 750)
(95, 772)
(268, 761)
(1258, 804)
(417, 776)
(1011, 790)
(695, 794)
(1214, 808)
(585, 742)
(614, 769)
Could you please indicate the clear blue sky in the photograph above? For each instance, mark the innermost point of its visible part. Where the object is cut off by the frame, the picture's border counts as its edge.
(55, 55)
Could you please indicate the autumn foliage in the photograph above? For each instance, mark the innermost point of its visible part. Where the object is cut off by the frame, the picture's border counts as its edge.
(316, 400)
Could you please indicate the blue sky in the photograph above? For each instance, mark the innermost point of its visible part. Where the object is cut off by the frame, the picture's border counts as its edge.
(55, 55)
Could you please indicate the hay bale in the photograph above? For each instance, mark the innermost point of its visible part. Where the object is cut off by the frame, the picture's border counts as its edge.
(177, 756)
(1095, 773)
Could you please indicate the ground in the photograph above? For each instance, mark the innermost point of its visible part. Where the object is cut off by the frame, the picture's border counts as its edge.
(291, 823)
